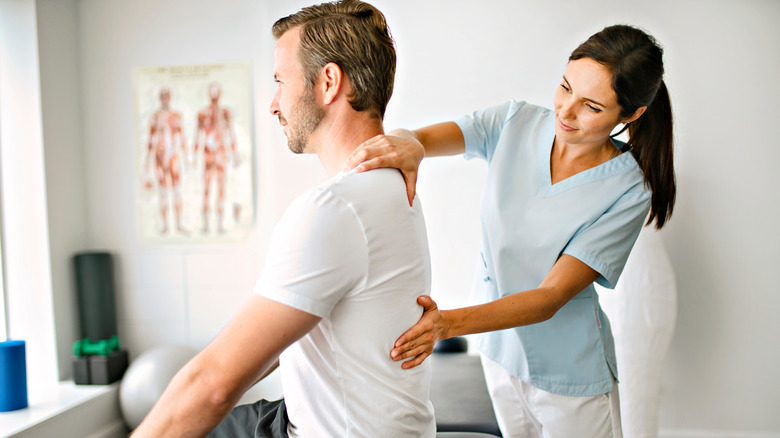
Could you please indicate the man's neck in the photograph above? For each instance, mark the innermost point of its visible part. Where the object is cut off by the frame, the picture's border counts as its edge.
(342, 137)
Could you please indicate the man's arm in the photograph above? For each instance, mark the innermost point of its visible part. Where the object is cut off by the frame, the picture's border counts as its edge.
(207, 388)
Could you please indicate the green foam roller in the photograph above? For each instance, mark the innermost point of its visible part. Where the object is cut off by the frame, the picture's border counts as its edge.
(95, 288)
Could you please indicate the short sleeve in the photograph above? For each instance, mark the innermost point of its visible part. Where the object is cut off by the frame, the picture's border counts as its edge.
(317, 255)
(605, 244)
(482, 129)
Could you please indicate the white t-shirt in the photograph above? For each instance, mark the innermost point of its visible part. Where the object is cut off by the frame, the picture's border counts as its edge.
(352, 252)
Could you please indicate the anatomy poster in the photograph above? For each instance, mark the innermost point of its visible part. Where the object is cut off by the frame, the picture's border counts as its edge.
(195, 180)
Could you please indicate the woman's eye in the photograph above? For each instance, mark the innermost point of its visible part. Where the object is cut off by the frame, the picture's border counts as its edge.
(594, 109)
(565, 88)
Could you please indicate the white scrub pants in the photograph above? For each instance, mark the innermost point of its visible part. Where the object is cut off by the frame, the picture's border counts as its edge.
(524, 411)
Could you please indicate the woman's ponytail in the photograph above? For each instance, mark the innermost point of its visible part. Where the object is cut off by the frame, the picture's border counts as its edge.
(651, 141)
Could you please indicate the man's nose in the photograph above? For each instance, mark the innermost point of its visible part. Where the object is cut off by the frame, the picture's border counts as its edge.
(275, 105)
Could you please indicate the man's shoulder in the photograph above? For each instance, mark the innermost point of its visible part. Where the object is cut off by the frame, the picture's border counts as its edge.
(385, 186)
(352, 194)
(376, 179)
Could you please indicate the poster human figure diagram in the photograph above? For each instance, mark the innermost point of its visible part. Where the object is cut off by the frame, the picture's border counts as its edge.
(195, 175)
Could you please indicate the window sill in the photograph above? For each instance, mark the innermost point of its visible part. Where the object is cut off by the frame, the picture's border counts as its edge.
(65, 409)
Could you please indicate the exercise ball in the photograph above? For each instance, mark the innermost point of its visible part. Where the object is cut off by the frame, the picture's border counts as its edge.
(642, 311)
(147, 377)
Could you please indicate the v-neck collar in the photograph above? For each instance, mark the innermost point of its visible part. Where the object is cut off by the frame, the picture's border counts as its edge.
(604, 170)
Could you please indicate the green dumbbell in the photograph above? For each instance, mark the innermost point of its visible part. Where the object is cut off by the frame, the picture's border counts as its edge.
(85, 347)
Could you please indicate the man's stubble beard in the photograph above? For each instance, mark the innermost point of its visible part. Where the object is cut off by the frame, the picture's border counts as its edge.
(306, 117)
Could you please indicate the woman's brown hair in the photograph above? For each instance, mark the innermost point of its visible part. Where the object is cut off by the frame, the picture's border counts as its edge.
(636, 63)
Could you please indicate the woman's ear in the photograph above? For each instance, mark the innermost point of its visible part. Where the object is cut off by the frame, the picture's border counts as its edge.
(332, 81)
(639, 111)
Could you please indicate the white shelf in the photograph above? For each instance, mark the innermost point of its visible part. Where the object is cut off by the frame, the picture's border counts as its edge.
(80, 409)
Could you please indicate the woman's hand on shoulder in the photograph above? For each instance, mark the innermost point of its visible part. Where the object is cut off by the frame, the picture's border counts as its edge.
(399, 149)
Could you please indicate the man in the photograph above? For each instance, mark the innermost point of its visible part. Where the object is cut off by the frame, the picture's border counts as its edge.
(215, 134)
(345, 265)
(166, 137)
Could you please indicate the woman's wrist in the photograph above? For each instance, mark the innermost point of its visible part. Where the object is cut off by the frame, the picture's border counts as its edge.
(400, 132)
(446, 324)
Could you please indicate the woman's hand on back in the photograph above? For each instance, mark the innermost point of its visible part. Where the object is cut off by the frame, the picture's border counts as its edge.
(417, 343)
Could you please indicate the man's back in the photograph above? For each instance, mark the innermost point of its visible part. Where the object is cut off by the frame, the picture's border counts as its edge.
(353, 252)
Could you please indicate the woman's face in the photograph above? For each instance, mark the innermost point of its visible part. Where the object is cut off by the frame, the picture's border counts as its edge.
(586, 108)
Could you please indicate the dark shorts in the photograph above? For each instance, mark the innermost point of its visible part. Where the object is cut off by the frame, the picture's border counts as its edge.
(262, 419)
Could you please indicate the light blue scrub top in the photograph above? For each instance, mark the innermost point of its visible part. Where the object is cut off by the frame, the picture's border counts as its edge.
(527, 223)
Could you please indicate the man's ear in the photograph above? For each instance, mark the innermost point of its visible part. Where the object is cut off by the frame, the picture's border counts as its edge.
(332, 82)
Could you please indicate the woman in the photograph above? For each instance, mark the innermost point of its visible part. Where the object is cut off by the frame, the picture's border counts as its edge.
(562, 207)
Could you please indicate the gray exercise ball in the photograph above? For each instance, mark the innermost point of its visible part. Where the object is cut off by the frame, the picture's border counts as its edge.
(147, 377)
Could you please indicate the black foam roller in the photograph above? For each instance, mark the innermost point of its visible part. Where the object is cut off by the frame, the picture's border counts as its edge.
(97, 303)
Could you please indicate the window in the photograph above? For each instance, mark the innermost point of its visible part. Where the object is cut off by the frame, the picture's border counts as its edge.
(26, 266)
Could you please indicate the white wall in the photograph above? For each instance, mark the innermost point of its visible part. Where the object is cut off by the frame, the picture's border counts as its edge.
(456, 56)
(63, 157)
(179, 294)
